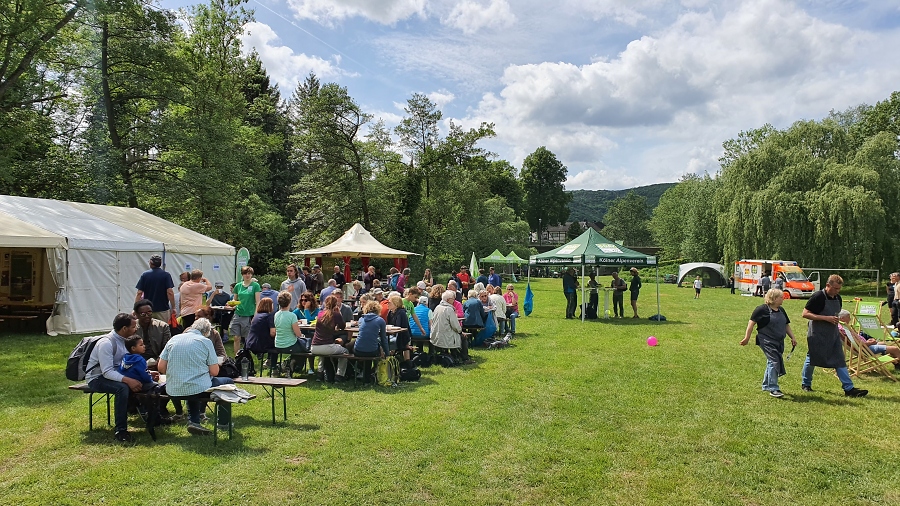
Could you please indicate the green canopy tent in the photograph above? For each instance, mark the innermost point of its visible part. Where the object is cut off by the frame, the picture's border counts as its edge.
(495, 258)
(590, 249)
(514, 259)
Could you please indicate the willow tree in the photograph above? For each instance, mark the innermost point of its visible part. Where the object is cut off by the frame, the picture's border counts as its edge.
(804, 194)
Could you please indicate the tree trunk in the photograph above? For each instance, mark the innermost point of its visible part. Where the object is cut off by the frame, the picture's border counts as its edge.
(114, 138)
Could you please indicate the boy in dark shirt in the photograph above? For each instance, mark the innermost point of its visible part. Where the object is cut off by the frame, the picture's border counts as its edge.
(133, 364)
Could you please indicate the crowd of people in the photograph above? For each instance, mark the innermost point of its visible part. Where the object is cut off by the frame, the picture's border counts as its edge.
(618, 286)
(175, 330)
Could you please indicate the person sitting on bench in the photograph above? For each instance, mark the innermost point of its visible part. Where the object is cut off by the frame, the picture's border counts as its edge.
(372, 340)
(190, 364)
(103, 371)
(445, 328)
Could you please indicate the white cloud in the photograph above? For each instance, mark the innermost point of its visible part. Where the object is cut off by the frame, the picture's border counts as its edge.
(470, 16)
(386, 12)
(441, 98)
(673, 96)
(286, 67)
(628, 13)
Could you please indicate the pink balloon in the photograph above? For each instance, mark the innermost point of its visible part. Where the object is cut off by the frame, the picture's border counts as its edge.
(651, 341)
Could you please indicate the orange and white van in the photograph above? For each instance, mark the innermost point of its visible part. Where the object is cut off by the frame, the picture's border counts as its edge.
(796, 284)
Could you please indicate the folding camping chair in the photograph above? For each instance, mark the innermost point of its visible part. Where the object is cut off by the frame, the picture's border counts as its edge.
(860, 358)
(867, 317)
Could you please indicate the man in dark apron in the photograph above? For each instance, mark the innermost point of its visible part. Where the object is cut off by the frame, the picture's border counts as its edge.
(824, 339)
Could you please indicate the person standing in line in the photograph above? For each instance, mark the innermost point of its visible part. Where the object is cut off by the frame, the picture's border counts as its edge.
(338, 277)
(570, 289)
(698, 284)
(618, 296)
(824, 339)
(892, 298)
(294, 284)
(772, 324)
(192, 296)
(593, 296)
(247, 292)
(156, 286)
(428, 279)
(766, 283)
(635, 289)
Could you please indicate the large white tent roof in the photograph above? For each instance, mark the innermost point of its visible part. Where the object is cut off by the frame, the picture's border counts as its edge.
(15, 233)
(356, 242)
(177, 239)
(82, 230)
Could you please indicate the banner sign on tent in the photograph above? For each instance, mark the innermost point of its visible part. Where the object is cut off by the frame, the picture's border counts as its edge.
(216, 267)
(243, 258)
(609, 248)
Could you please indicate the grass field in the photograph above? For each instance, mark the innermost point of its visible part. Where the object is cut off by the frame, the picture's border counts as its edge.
(575, 413)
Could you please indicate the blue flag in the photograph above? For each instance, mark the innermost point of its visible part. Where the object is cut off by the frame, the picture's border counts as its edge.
(528, 306)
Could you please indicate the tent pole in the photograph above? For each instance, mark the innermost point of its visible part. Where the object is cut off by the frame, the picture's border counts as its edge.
(657, 293)
(582, 290)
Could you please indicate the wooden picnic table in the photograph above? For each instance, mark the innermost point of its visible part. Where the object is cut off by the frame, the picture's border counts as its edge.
(271, 386)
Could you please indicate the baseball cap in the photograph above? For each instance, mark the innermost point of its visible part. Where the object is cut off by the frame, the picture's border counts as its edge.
(266, 286)
(421, 285)
(220, 284)
(377, 291)
(316, 266)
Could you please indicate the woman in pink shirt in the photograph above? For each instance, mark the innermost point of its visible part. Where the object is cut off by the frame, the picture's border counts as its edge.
(192, 296)
(512, 307)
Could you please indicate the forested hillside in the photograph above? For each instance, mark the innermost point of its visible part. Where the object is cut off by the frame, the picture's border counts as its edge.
(591, 205)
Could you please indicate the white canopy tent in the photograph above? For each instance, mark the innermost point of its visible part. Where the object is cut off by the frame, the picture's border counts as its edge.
(95, 255)
(357, 242)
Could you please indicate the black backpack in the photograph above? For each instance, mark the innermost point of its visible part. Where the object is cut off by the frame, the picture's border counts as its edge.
(420, 359)
(445, 360)
(242, 354)
(410, 373)
(76, 366)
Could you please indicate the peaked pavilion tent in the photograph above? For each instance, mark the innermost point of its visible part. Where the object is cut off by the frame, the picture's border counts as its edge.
(357, 242)
(589, 249)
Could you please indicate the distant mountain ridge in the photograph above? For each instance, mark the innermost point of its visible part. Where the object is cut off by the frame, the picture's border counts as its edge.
(591, 205)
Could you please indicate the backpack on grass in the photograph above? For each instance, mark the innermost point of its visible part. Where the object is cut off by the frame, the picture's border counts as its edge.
(76, 365)
(387, 372)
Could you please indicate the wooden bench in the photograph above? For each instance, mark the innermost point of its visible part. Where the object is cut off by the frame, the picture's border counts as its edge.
(271, 386)
(83, 387)
(305, 356)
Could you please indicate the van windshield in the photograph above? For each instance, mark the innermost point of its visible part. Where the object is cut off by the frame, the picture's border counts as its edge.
(795, 276)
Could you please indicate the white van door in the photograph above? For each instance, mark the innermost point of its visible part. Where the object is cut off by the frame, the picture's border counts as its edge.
(814, 279)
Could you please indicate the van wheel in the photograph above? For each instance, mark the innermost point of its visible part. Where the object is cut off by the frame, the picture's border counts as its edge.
(787, 295)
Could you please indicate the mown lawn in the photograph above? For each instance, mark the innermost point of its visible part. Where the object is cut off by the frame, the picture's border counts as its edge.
(575, 413)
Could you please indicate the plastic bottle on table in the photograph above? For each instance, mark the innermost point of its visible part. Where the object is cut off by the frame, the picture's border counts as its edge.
(245, 368)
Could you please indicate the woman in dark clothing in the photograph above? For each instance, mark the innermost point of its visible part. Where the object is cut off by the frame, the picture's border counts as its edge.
(635, 289)
(398, 318)
(434, 296)
(772, 323)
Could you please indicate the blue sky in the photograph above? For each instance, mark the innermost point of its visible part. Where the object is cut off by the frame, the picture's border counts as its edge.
(625, 93)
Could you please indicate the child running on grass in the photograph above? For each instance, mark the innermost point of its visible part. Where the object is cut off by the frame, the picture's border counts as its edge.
(698, 284)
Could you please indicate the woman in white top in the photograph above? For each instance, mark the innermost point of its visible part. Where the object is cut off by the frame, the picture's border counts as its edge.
(499, 303)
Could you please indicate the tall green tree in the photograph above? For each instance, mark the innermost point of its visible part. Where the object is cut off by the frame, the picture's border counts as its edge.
(627, 220)
(437, 161)
(327, 125)
(683, 224)
(546, 201)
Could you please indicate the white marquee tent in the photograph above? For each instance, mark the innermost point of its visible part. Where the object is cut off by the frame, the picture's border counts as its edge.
(93, 255)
